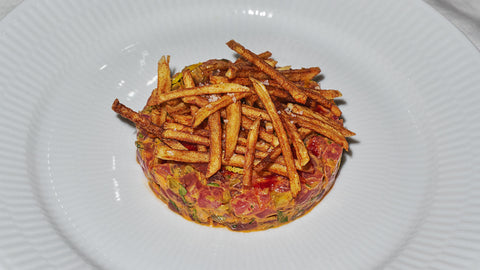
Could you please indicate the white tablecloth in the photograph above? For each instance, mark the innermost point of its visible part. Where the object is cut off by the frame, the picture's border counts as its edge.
(464, 14)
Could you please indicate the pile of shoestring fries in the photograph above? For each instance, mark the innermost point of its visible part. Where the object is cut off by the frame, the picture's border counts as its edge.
(248, 114)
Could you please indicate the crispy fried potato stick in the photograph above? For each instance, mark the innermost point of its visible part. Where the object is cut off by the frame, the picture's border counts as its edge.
(186, 120)
(280, 160)
(304, 132)
(252, 112)
(167, 153)
(180, 108)
(196, 100)
(204, 90)
(305, 113)
(329, 104)
(240, 149)
(294, 91)
(271, 62)
(242, 81)
(215, 79)
(185, 137)
(279, 93)
(250, 154)
(223, 102)
(239, 160)
(175, 144)
(260, 146)
(215, 126)
(281, 134)
(297, 142)
(268, 127)
(232, 128)
(263, 134)
(164, 81)
(158, 117)
(264, 55)
(303, 74)
(327, 132)
(193, 109)
(186, 129)
(328, 93)
(294, 75)
(141, 122)
(274, 154)
(188, 81)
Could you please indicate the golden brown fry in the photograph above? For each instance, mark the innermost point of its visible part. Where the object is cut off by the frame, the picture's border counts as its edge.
(294, 91)
(329, 104)
(294, 75)
(158, 117)
(263, 134)
(271, 62)
(280, 160)
(304, 132)
(185, 137)
(231, 73)
(167, 153)
(251, 100)
(215, 126)
(196, 100)
(188, 81)
(281, 134)
(250, 154)
(321, 129)
(216, 79)
(141, 122)
(179, 108)
(252, 112)
(202, 71)
(260, 146)
(273, 155)
(204, 90)
(279, 92)
(193, 110)
(239, 160)
(303, 74)
(215, 64)
(320, 119)
(269, 127)
(297, 142)
(232, 128)
(242, 81)
(329, 93)
(201, 148)
(186, 120)
(186, 129)
(240, 149)
(264, 55)
(164, 81)
(284, 68)
(174, 144)
(223, 102)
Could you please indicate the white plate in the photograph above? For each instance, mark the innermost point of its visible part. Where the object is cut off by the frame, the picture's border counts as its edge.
(73, 197)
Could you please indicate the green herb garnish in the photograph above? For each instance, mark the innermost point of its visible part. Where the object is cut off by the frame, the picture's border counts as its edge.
(213, 184)
(281, 218)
